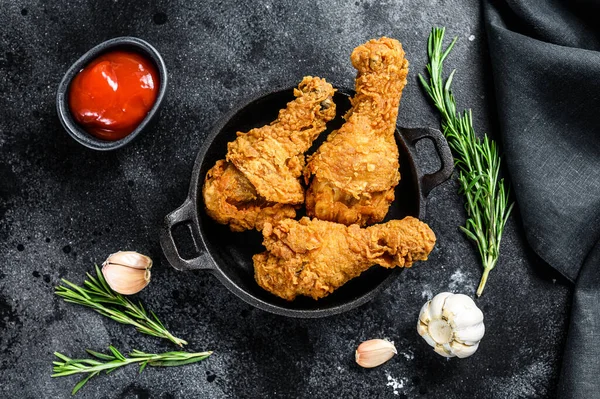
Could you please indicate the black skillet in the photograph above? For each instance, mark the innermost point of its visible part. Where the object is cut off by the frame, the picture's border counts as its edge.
(229, 255)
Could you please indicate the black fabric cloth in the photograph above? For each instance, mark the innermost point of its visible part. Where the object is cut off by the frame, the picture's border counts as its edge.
(580, 376)
(545, 58)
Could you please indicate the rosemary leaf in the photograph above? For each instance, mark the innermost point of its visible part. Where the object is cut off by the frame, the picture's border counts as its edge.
(81, 383)
(143, 366)
(99, 355)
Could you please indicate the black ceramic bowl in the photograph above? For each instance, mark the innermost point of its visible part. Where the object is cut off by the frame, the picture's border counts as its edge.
(62, 100)
(229, 255)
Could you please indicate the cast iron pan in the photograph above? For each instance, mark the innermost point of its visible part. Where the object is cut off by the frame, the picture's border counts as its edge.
(229, 255)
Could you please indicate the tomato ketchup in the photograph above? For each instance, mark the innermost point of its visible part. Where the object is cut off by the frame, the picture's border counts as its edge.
(113, 94)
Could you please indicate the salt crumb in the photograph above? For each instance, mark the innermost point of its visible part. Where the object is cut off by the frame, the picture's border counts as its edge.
(457, 278)
(408, 355)
(394, 383)
(553, 281)
(471, 38)
(427, 294)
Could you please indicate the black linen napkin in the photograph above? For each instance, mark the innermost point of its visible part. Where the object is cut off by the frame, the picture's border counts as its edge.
(545, 58)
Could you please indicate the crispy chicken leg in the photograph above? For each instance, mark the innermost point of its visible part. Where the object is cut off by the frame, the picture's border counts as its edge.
(353, 174)
(231, 199)
(259, 179)
(314, 257)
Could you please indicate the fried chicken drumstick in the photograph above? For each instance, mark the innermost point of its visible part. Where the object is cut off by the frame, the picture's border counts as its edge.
(353, 174)
(314, 257)
(259, 178)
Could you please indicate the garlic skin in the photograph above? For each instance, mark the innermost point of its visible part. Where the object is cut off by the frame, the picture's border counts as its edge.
(127, 272)
(130, 259)
(374, 353)
(452, 324)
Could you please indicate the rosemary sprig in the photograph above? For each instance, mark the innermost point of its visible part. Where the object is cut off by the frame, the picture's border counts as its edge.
(97, 294)
(114, 360)
(478, 162)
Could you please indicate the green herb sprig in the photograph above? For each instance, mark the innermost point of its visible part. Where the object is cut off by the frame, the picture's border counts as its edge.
(97, 294)
(478, 162)
(110, 362)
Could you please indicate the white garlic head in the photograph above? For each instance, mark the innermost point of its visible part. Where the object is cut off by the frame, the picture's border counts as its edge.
(452, 324)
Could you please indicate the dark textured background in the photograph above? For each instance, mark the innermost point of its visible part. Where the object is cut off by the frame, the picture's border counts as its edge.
(63, 207)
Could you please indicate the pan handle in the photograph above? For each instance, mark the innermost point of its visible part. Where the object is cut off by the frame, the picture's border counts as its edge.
(184, 215)
(432, 180)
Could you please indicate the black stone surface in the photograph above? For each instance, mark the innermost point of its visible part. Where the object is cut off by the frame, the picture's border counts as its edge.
(64, 207)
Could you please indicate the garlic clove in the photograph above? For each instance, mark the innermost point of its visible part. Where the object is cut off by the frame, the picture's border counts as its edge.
(436, 305)
(130, 259)
(443, 350)
(462, 311)
(125, 280)
(374, 352)
(470, 335)
(423, 331)
(424, 316)
(127, 272)
(465, 318)
(461, 351)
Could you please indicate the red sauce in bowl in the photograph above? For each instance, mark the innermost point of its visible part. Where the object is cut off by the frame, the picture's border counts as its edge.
(113, 94)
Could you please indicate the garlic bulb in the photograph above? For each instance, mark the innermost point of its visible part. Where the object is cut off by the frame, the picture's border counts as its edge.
(127, 272)
(452, 324)
(374, 352)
